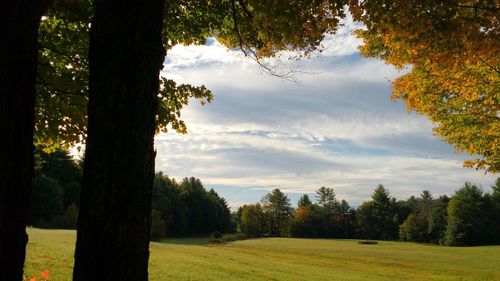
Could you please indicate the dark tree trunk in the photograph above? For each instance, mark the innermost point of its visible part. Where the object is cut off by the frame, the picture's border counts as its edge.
(19, 21)
(125, 58)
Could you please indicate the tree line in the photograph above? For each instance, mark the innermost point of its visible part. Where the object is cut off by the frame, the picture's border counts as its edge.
(55, 196)
(187, 209)
(469, 217)
(184, 208)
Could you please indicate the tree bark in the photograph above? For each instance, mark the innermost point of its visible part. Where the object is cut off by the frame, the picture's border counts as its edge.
(19, 22)
(125, 58)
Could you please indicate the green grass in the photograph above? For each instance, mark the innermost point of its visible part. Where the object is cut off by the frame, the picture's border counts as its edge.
(282, 259)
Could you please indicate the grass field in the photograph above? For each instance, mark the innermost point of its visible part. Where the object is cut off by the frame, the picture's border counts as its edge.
(282, 259)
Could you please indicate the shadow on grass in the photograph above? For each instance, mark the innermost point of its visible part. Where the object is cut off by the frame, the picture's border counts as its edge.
(197, 241)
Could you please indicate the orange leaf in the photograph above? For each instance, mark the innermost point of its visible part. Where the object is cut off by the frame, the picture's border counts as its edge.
(45, 274)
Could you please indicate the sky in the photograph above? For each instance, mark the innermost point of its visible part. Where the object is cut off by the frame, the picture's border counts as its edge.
(333, 126)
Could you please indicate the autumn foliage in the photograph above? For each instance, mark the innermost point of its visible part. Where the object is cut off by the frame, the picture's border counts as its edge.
(44, 276)
(451, 49)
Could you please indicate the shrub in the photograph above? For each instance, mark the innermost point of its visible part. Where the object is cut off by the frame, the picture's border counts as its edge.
(367, 242)
(227, 237)
(216, 237)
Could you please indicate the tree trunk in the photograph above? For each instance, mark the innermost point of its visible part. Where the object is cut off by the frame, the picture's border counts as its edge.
(18, 58)
(125, 58)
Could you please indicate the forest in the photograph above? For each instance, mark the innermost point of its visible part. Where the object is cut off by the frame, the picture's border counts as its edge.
(468, 217)
(185, 209)
(178, 209)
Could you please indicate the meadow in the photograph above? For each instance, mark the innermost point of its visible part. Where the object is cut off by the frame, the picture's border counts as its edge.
(281, 259)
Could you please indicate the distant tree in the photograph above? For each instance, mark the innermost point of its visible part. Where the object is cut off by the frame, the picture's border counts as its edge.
(235, 221)
(304, 201)
(330, 208)
(364, 217)
(410, 205)
(253, 220)
(381, 196)
(378, 219)
(279, 211)
(308, 222)
(438, 219)
(466, 217)
(167, 198)
(326, 197)
(426, 195)
(409, 229)
(188, 208)
(193, 194)
(223, 213)
(237, 218)
(414, 228)
(345, 221)
(426, 204)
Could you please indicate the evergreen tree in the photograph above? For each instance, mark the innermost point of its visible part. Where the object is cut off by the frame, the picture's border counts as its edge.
(345, 220)
(466, 217)
(326, 197)
(438, 221)
(188, 208)
(279, 211)
(304, 201)
(378, 219)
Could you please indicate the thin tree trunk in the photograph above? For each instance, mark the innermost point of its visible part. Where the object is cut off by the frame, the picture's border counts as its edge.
(125, 58)
(19, 22)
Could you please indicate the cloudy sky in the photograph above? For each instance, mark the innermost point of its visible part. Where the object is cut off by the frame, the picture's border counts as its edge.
(334, 126)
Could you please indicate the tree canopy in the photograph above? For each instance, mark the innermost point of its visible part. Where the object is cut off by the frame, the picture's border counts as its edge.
(62, 77)
(259, 29)
(451, 49)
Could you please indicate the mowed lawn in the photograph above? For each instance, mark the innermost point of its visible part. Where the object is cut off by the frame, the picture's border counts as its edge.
(282, 259)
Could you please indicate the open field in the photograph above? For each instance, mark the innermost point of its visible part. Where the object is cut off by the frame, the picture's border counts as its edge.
(282, 259)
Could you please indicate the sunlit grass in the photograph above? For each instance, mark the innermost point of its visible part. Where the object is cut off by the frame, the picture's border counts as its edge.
(282, 259)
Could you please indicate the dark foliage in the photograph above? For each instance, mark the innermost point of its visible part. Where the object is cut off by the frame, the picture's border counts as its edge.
(56, 190)
(187, 208)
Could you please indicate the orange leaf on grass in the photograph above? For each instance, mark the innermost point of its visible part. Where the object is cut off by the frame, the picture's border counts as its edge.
(45, 274)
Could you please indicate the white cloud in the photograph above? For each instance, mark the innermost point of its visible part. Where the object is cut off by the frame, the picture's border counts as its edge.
(338, 128)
